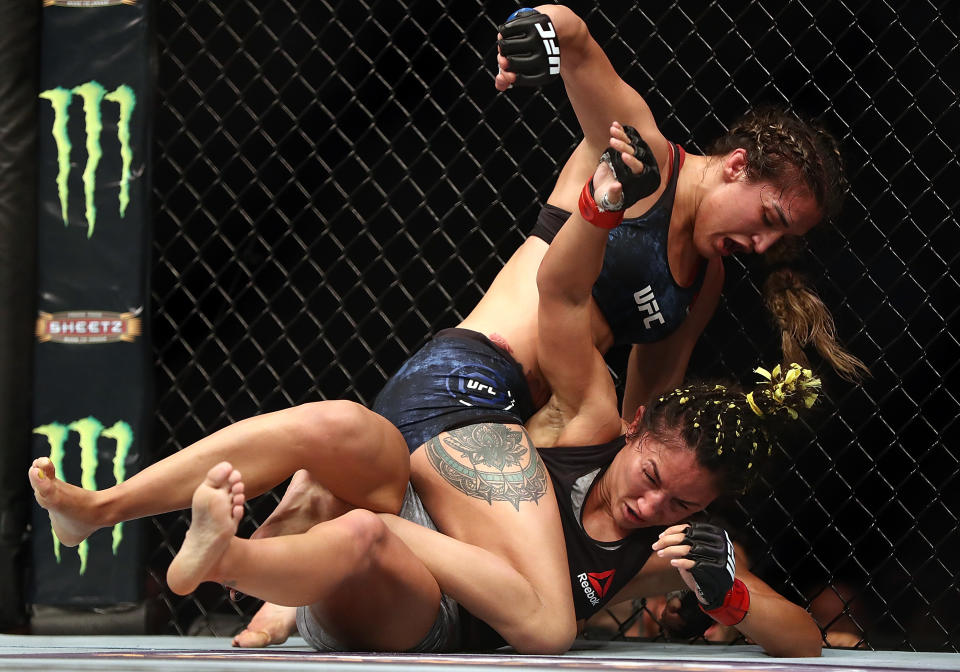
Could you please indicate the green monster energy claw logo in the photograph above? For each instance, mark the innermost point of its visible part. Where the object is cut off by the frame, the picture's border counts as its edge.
(93, 94)
(89, 431)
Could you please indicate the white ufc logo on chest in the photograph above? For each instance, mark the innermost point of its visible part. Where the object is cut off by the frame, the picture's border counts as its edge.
(646, 303)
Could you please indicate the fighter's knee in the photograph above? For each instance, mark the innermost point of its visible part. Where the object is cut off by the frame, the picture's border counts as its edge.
(370, 456)
(366, 536)
(336, 421)
(346, 426)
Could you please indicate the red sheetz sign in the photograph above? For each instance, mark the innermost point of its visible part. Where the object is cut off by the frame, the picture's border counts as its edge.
(87, 326)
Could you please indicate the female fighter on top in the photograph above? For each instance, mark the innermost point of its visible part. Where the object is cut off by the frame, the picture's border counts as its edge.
(770, 176)
(680, 452)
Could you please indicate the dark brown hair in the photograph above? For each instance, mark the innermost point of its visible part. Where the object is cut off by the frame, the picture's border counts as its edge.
(782, 148)
(732, 432)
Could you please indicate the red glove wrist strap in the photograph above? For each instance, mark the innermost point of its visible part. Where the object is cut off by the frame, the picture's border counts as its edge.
(590, 212)
(734, 607)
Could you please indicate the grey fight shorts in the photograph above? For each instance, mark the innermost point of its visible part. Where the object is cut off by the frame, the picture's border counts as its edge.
(444, 636)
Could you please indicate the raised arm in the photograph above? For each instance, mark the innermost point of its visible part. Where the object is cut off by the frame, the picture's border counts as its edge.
(598, 94)
(583, 393)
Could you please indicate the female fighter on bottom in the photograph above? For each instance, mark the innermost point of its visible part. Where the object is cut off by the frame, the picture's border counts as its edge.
(682, 451)
(359, 455)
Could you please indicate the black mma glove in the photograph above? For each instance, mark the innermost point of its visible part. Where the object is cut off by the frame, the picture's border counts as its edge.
(695, 622)
(635, 186)
(711, 549)
(529, 42)
(607, 215)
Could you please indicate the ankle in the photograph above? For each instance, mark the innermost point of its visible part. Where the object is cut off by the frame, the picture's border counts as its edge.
(220, 570)
(104, 508)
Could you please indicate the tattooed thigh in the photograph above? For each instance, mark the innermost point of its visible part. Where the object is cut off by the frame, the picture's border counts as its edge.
(490, 461)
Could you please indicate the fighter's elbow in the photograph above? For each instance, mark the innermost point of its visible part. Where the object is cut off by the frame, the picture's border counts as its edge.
(799, 650)
(551, 283)
(808, 644)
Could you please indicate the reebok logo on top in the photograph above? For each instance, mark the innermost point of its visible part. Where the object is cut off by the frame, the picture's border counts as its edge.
(596, 584)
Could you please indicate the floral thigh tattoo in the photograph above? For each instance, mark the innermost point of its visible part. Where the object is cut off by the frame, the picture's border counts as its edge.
(489, 461)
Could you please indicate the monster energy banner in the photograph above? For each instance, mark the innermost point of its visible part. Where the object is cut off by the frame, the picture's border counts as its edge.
(92, 383)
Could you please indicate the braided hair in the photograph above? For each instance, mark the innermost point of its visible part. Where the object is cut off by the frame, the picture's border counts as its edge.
(731, 431)
(782, 148)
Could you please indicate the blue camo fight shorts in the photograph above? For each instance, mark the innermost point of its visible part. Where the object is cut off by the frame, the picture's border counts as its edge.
(458, 378)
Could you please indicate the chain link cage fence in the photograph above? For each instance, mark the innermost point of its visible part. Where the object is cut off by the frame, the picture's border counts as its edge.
(336, 181)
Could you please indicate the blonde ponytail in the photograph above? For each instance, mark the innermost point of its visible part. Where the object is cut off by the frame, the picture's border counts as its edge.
(804, 320)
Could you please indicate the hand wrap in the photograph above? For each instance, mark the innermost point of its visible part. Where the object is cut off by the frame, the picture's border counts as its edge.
(735, 605)
(715, 566)
(593, 213)
(529, 41)
(636, 186)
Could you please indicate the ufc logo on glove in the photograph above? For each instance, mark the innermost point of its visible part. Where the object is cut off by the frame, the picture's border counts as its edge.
(550, 46)
(529, 41)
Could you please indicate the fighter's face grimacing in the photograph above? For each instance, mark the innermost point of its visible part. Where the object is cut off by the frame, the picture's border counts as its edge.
(739, 215)
(655, 483)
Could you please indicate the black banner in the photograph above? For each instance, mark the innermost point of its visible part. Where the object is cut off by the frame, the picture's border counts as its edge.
(92, 376)
(19, 61)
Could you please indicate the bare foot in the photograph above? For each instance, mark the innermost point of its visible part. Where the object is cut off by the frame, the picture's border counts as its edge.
(69, 506)
(271, 625)
(216, 511)
(304, 504)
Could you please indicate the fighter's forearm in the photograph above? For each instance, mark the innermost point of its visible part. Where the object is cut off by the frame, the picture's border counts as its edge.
(781, 627)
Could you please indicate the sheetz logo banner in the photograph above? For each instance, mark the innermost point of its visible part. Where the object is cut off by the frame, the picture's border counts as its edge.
(86, 4)
(89, 432)
(94, 98)
(87, 326)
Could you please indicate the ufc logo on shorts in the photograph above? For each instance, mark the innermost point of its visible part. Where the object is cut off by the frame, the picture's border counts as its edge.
(548, 35)
(646, 303)
(481, 387)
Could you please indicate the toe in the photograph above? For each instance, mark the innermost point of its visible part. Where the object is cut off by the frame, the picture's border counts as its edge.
(236, 485)
(218, 475)
(41, 475)
(253, 639)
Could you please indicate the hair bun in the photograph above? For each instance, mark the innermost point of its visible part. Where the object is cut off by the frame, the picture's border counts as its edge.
(784, 391)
